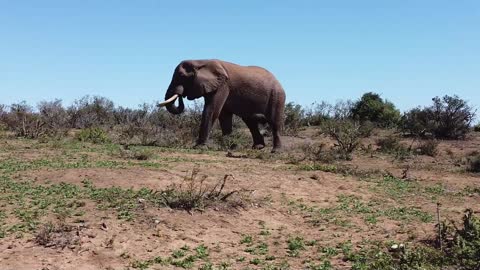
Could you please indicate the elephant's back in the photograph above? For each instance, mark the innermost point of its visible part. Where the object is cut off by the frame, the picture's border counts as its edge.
(253, 90)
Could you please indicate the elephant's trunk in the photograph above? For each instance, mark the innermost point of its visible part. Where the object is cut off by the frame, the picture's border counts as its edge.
(170, 97)
(172, 108)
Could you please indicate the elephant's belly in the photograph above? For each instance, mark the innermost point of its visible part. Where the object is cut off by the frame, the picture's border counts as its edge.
(246, 107)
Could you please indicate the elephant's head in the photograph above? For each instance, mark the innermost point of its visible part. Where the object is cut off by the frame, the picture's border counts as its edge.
(193, 79)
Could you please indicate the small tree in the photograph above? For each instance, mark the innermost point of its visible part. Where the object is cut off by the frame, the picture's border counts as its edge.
(371, 107)
(452, 117)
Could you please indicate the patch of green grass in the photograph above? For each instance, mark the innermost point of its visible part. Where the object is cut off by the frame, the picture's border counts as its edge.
(325, 265)
(397, 188)
(407, 213)
(375, 257)
(184, 258)
(295, 245)
(201, 252)
(256, 261)
(30, 203)
(328, 251)
(370, 212)
(246, 239)
(437, 189)
(319, 167)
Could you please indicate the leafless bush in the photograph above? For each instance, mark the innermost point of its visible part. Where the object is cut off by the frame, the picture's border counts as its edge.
(194, 194)
(317, 152)
(91, 112)
(56, 236)
(317, 114)
(54, 117)
(23, 122)
(342, 109)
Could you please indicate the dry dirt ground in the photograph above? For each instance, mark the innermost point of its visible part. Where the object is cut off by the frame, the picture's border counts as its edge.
(71, 205)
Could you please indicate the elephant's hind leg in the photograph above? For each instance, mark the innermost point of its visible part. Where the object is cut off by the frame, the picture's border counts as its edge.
(276, 120)
(258, 140)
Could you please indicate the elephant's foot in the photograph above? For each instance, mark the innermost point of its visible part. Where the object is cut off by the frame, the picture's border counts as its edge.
(276, 150)
(200, 146)
(258, 146)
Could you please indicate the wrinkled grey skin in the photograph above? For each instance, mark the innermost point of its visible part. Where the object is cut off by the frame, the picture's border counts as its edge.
(250, 92)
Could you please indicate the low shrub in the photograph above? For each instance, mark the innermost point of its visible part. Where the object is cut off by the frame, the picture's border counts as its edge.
(389, 144)
(317, 152)
(392, 145)
(236, 140)
(347, 134)
(428, 148)
(137, 153)
(462, 245)
(476, 128)
(93, 135)
(473, 163)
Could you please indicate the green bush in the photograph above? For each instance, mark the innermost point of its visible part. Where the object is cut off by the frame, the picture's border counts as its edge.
(448, 118)
(371, 107)
(93, 135)
(463, 244)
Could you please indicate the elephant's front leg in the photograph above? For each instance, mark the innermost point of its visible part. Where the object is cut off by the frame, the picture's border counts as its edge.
(211, 110)
(226, 122)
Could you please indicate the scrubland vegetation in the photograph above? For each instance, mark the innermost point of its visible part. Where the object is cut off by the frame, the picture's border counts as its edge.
(359, 185)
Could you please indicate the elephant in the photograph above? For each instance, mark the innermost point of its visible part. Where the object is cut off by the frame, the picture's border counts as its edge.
(250, 92)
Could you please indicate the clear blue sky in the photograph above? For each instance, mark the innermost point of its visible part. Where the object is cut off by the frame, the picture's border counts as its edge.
(409, 51)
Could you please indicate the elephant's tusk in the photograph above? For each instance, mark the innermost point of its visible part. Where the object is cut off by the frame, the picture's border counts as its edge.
(168, 101)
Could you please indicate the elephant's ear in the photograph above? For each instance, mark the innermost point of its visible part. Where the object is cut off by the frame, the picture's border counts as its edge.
(209, 77)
